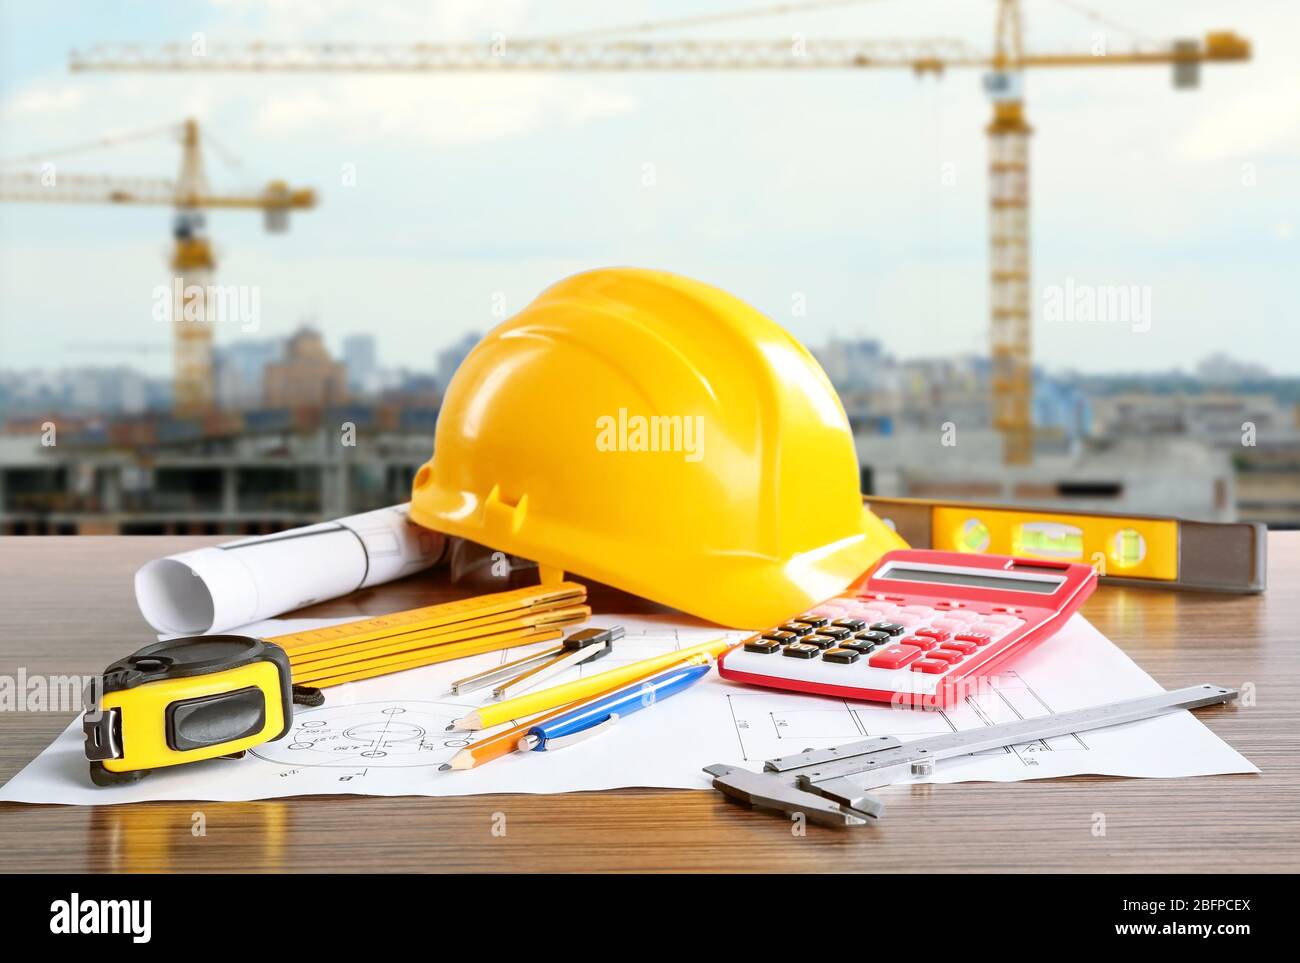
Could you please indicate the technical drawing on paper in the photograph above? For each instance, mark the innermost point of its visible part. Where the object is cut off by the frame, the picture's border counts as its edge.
(370, 734)
(768, 726)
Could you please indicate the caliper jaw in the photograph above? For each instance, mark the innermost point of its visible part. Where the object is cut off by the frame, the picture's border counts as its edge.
(833, 803)
(816, 783)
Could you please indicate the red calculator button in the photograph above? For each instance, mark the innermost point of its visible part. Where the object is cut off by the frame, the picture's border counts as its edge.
(922, 642)
(945, 655)
(894, 656)
(939, 635)
(975, 638)
(960, 646)
(932, 666)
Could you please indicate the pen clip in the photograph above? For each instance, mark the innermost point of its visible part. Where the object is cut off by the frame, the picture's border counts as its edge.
(582, 734)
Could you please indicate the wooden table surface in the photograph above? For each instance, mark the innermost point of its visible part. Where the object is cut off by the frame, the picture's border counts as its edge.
(68, 607)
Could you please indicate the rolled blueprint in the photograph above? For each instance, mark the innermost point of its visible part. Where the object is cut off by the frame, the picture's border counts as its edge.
(218, 588)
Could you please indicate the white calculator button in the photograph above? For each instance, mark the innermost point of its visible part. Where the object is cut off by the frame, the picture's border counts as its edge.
(906, 619)
(948, 625)
(967, 617)
(1003, 619)
(917, 610)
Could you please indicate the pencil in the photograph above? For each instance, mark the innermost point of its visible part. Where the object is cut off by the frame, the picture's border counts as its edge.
(570, 692)
(504, 743)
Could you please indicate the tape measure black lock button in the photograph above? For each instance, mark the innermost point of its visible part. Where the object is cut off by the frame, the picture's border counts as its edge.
(188, 699)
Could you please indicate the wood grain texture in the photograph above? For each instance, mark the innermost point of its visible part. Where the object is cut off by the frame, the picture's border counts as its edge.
(68, 607)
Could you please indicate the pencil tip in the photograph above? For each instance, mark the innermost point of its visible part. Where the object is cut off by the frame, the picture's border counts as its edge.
(444, 767)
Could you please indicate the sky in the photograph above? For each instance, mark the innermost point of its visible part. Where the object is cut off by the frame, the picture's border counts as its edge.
(843, 204)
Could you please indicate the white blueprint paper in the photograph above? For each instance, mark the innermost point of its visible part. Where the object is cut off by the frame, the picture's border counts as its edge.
(220, 587)
(387, 736)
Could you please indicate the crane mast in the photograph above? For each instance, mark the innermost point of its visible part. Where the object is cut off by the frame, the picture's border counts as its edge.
(192, 264)
(1010, 311)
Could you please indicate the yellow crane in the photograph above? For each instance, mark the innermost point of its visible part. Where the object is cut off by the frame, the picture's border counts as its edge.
(192, 260)
(1010, 313)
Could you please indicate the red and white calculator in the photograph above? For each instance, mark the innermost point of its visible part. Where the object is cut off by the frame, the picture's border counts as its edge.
(921, 628)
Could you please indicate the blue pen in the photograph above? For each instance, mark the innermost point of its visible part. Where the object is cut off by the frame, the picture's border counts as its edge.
(596, 716)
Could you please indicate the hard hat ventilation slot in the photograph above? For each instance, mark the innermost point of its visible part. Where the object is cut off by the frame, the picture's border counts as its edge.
(499, 511)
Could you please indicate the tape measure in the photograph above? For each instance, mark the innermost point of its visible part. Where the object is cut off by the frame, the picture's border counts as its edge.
(184, 700)
(208, 696)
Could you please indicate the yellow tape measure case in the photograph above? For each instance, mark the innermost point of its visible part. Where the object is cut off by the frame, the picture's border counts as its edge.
(184, 700)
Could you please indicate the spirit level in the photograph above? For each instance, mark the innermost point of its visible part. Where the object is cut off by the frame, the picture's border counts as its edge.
(1125, 549)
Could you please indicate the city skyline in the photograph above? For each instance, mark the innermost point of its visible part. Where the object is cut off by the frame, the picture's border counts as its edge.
(470, 195)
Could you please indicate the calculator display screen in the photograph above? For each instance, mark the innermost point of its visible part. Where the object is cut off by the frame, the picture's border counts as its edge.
(1007, 583)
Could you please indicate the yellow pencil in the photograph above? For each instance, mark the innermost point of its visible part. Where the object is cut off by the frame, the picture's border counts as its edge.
(507, 741)
(558, 695)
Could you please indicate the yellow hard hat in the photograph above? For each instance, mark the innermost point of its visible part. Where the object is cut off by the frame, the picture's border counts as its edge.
(656, 434)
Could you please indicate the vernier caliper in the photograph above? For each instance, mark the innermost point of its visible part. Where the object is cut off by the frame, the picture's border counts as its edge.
(832, 786)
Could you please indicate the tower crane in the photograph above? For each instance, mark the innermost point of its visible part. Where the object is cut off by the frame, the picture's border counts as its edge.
(192, 261)
(1010, 313)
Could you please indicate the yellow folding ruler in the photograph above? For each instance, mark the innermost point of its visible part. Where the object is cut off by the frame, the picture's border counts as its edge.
(434, 633)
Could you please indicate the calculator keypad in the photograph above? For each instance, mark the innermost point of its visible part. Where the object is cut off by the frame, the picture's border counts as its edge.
(885, 632)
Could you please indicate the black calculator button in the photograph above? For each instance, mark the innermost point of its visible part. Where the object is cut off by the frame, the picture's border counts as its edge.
(873, 636)
(776, 635)
(860, 645)
(853, 625)
(798, 628)
(834, 631)
(799, 650)
(816, 621)
(890, 628)
(762, 646)
(817, 640)
(843, 656)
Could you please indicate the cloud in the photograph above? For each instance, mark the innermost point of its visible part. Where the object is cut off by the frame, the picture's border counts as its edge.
(42, 101)
(376, 20)
(440, 111)
(1263, 120)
